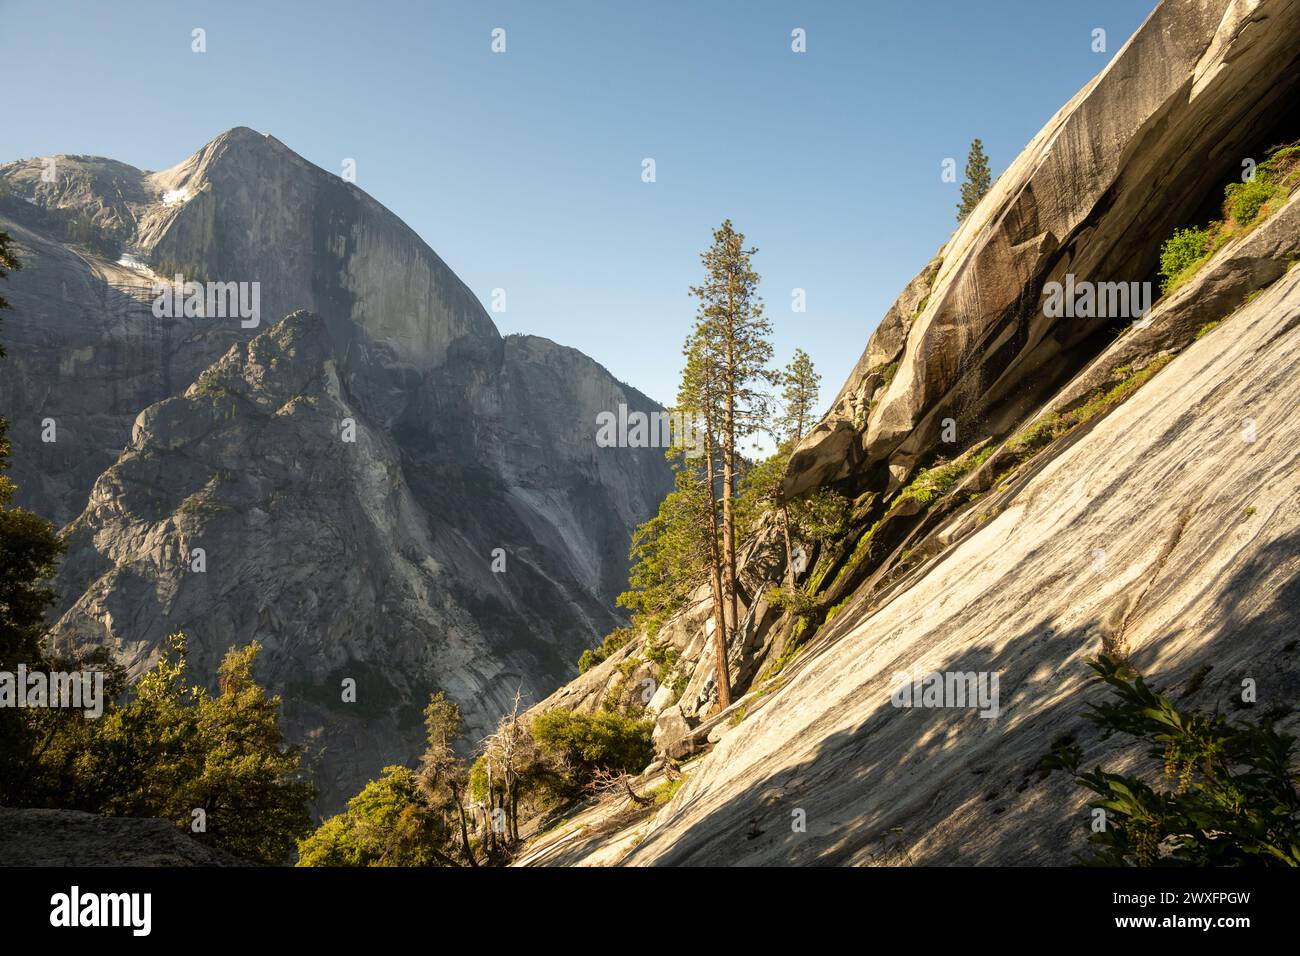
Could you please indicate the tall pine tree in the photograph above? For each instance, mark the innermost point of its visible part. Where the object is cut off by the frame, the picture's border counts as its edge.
(732, 339)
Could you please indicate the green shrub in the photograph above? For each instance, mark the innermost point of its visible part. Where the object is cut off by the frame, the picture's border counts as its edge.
(586, 743)
(1245, 200)
(1180, 254)
(666, 790)
(794, 600)
(614, 640)
(1224, 792)
(937, 481)
(1244, 203)
(665, 655)
(389, 823)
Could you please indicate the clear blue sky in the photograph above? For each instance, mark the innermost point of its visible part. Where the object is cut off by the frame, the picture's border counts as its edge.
(523, 169)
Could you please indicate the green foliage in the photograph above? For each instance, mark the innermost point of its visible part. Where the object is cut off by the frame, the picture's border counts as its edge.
(406, 817)
(1181, 254)
(821, 517)
(9, 262)
(935, 482)
(665, 655)
(1115, 395)
(818, 517)
(1246, 204)
(800, 386)
(979, 180)
(795, 601)
(767, 678)
(174, 747)
(760, 490)
(585, 743)
(1224, 793)
(388, 823)
(168, 269)
(614, 640)
(29, 550)
(1246, 200)
(1052, 426)
(731, 339)
(663, 793)
(79, 229)
(208, 383)
(670, 553)
(621, 698)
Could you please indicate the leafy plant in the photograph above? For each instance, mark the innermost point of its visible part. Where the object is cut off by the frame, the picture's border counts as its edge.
(1245, 200)
(938, 480)
(794, 600)
(1224, 793)
(614, 640)
(587, 743)
(1245, 205)
(1181, 254)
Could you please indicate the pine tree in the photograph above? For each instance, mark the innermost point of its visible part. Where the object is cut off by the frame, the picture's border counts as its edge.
(691, 539)
(443, 777)
(978, 180)
(174, 747)
(732, 338)
(800, 387)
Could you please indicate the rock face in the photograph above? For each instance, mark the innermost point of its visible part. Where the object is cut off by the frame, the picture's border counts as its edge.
(72, 838)
(379, 487)
(1026, 596)
(1079, 485)
(1202, 86)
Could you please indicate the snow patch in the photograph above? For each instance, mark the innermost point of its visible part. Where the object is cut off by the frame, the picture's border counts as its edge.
(175, 196)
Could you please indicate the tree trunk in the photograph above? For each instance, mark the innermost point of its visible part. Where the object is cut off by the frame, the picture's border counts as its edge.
(514, 810)
(464, 827)
(723, 678)
(728, 492)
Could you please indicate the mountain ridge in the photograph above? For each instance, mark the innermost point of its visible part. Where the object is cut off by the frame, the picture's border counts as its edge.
(479, 445)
